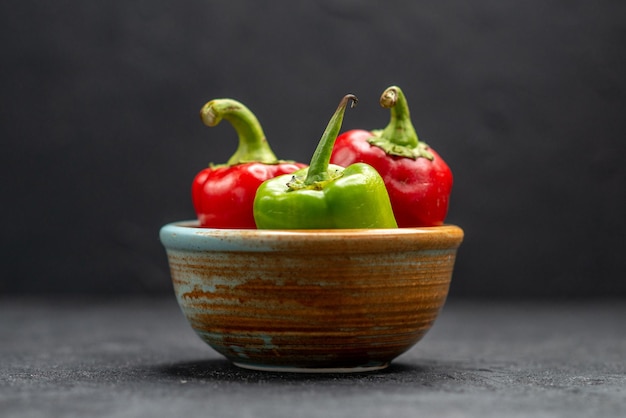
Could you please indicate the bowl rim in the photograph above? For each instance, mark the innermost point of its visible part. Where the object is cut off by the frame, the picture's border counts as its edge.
(188, 235)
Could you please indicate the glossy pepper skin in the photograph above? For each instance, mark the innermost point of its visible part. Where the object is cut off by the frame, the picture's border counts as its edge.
(418, 180)
(325, 196)
(223, 195)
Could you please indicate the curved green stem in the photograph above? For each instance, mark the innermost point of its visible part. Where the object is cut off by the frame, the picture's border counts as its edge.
(318, 168)
(399, 136)
(253, 146)
(400, 130)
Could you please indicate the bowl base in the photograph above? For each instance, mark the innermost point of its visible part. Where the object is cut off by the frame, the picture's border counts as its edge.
(287, 369)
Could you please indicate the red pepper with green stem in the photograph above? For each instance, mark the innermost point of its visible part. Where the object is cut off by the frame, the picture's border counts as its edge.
(223, 195)
(418, 180)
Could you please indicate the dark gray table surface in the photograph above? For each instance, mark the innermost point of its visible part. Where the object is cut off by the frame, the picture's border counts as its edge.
(139, 358)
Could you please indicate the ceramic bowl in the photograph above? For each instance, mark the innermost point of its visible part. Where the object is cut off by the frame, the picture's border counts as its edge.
(311, 301)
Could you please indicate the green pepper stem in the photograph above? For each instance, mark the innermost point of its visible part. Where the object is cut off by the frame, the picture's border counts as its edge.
(400, 130)
(318, 168)
(253, 146)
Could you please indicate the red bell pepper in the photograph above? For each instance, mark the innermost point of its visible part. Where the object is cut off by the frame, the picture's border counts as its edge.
(223, 195)
(418, 180)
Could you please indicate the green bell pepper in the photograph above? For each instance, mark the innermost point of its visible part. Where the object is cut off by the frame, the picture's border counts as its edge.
(323, 195)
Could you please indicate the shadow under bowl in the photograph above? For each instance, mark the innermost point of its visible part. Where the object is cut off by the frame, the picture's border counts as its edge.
(314, 300)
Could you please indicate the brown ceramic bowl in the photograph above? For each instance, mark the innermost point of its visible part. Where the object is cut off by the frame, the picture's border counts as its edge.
(324, 300)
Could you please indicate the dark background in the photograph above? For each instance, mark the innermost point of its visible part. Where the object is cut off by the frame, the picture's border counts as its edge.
(101, 138)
